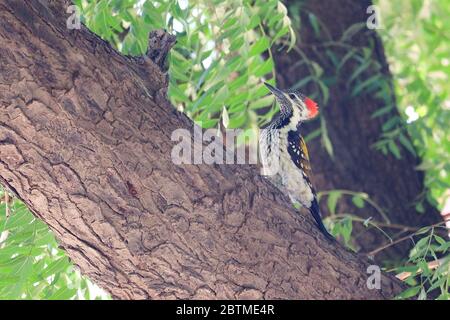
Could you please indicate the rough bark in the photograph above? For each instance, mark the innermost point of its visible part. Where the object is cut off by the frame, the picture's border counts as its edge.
(394, 184)
(85, 143)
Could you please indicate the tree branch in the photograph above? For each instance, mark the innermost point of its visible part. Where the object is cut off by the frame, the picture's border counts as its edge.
(85, 143)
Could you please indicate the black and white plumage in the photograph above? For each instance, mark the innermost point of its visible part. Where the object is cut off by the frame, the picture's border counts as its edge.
(283, 151)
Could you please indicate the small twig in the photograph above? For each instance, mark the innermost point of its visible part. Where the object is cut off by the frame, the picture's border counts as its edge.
(409, 236)
(374, 252)
(380, 224)
(431, 265)
(366, 199)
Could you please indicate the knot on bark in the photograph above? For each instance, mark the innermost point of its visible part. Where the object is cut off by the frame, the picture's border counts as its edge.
(159, 44)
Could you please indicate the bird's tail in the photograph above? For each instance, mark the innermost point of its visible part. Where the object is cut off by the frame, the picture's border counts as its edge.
(315, 211)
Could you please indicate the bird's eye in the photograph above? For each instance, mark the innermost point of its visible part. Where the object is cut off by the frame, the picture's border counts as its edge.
(292, 96)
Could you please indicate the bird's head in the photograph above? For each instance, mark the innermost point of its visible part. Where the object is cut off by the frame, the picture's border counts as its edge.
(291, 100)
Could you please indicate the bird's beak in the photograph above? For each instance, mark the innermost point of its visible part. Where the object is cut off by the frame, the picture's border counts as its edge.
(275, 91)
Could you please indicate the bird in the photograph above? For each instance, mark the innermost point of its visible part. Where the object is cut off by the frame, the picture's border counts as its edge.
(283, 152)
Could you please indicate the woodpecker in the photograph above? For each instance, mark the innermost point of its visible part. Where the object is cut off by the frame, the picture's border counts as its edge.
(283, 151)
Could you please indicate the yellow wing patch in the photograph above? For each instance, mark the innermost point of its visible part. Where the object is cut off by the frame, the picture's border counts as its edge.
(304, 148)
(304, 155)
(299, 152)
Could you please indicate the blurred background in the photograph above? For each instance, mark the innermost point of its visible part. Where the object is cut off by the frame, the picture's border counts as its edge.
(380, 148)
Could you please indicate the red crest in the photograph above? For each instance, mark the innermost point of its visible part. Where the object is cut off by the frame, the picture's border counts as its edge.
(312, 107)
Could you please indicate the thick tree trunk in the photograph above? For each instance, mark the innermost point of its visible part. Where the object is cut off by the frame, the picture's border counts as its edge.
(394, 184)
(85, 142)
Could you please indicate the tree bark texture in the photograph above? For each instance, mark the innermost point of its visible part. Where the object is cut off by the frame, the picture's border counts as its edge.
(394, 184)
(85, 143)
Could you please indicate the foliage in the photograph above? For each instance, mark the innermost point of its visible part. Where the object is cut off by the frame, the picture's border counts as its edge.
(427, 268)
(424, 279)
(366, 77)
(341, 224)
(31, 264)
(217, 61)
(417, 44)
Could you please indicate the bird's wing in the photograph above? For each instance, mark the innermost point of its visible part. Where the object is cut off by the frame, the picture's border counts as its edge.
(299, 152)
(304, 154)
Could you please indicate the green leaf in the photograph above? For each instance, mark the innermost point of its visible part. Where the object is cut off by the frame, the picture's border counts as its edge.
(238, 121)
(314, 23)
(352, 30)
(325, 139)
(382, 111)
(55, 267)
(391, 123)
(9, 280)
(362, 67)
(264, 68)
(410, 292)
(420, 208)
(362, 86)
(255, 20)
(332, 199)
(407, 144)
(63, 294)
(262, 102)
(259, 47)
(325, 92)
(358, 201)
(18, 219)
(394, 149)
